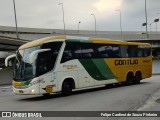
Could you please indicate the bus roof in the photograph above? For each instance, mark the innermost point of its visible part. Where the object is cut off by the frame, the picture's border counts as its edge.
(40, 41)
(79, 39)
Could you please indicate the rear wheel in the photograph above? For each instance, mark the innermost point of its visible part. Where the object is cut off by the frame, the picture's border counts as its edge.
(138, 78)
(129, 79)
(67, 88)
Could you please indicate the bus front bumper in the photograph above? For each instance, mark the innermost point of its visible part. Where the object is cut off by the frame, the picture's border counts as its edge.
(26, 91)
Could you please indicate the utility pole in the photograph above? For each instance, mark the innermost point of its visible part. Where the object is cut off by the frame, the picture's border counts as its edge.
(120, 20)
(15, 16)
(146, 19)
(95, 22)
(63, 18)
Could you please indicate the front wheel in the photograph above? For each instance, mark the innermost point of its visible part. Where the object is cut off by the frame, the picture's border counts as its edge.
(67, 88)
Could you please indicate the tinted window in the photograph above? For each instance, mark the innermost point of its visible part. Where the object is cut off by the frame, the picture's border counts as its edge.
(46, 60)
(108, 51)
(93, 50)
(116, 51)
(140, 51)
(147, 51)
(54, 46)
(71, 51)
(132, 51)
(87, 50)
(123, 51)
(144, 51)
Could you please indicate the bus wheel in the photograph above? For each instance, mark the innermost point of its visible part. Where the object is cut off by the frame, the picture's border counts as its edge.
(66, 87)
(138, 78)
(129, 79)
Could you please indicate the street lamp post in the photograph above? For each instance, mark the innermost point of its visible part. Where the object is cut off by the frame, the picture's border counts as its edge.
(15, 16)
(120, 20)
(144, 24)
(146, 19)
(156, 21)
(78, 25)
(63, 18)
(95, 22)
(158, 16)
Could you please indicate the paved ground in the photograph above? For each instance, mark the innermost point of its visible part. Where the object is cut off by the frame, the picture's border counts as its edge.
(156, 67)
(117, 98)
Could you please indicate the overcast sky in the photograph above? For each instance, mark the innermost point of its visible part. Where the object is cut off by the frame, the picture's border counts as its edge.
(48, 14)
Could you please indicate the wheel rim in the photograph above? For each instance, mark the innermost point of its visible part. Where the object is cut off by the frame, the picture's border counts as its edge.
(138, 78)
(68, 87)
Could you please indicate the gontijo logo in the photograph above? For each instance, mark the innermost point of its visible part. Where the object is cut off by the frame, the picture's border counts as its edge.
(126, 62)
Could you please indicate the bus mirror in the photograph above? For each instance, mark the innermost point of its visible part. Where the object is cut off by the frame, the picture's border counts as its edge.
(35, 53)
(8, 60)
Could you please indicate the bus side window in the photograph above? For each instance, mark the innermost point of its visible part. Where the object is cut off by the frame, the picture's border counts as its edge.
(147, 51)
(132, 51)
(67, 54)
(144, 51)
(140, 51)
(116, 51)
(102, 51)
(124, 51)
(55, 47)
(44, 62)
(109, 51)
(71, 51)
(87, 50)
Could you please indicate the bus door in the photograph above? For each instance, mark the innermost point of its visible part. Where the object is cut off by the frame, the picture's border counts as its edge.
(46, 83)
(45, 64)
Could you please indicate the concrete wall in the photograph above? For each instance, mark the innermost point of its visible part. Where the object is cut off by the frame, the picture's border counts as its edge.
(156, 67)
(6, 76)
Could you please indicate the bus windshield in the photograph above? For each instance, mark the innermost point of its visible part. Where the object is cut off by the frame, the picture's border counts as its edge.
(45, 61)
(22, 67)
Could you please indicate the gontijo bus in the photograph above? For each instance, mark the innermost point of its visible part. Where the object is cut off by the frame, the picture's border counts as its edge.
(64, 63)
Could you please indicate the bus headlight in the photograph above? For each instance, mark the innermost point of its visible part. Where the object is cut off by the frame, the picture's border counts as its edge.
(14, 91)
(32, 91)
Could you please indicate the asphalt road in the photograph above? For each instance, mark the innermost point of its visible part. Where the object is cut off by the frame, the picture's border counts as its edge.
(114, 98)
